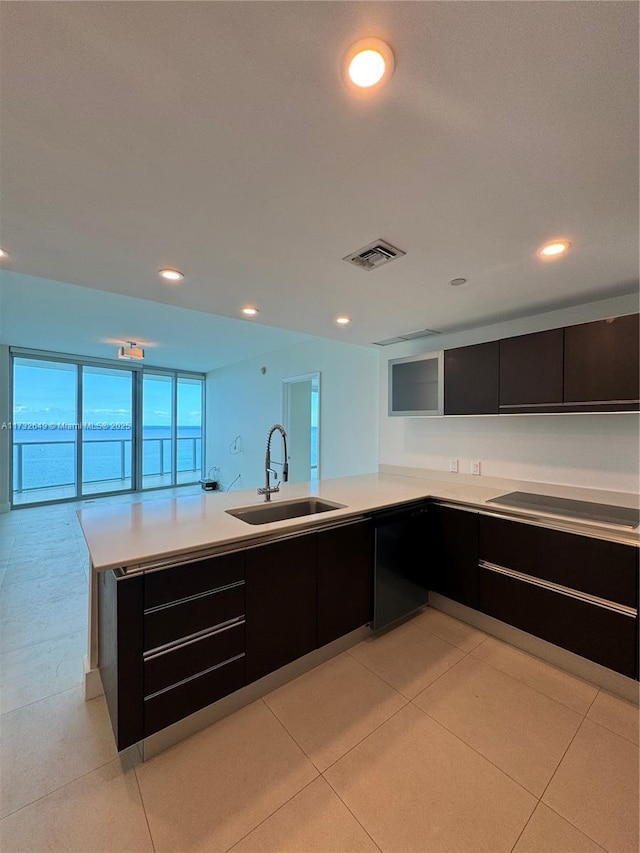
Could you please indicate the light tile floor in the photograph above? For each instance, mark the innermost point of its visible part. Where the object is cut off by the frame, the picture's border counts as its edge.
(428, 739)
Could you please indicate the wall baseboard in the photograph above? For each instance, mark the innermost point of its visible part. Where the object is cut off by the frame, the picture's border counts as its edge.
(587, 670)
(92, 682)
(4, 508)
(158, 742)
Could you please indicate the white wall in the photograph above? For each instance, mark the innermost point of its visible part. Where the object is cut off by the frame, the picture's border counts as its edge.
(242, 401)
(5, 438)
(597, 450)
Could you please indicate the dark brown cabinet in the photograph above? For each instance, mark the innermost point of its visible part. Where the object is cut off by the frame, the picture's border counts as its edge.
(471, 377)
(601, 364)
(170, 642)
(120, 641)
(453, 563)
(574, 591)
(345, 579)
(175, 640)
(281, 603)
(531, 371)
(590, 367)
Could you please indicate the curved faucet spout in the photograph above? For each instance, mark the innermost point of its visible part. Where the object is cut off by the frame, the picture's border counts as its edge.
(268, 489)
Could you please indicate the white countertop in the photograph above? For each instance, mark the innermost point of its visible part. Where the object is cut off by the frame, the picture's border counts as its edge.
(126, 535)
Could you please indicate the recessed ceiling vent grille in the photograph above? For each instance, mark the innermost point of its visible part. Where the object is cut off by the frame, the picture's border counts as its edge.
(374, 255)
(408, 336)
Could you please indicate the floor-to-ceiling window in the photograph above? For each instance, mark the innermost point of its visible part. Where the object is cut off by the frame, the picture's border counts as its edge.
(87, 428)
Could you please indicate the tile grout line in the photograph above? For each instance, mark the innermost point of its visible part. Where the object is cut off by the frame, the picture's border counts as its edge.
(566, 820)
(473, 749)
(42, 640)
(286, 730)
(144, 808)
(395, 688)
(537, 690)
(59, 788)
(444, 639)
(359, 822)
(42, 698)
(355, 745)
(602, 725)
(265, 819)
(565, 752)
(526, 824)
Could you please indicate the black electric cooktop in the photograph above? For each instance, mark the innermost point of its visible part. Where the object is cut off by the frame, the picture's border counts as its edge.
(625, 516)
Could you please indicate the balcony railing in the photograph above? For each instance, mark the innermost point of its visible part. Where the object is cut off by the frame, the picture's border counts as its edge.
(59, 470)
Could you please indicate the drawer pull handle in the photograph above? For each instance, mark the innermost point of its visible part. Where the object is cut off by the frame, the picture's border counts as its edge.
(193, 677)
(193, 597)
(193, 638)
(622, 609)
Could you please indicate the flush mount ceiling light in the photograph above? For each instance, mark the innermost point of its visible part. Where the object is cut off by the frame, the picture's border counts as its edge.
(131, 352)
(554, 249)
(368, 64)
(171, 274)
(3, 254)
(250, 311)
(343, 320)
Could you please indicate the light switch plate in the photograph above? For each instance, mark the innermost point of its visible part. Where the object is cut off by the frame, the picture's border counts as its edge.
(453, 465)
(475, 467)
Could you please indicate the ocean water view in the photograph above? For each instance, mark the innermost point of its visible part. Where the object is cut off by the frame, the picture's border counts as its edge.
(46, 457)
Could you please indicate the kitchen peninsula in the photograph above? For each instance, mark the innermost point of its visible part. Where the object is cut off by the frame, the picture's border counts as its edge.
(190, 604)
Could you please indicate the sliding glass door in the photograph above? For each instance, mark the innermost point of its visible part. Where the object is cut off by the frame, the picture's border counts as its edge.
(158, 429)
(84, 429)
(189, 425)
(45, 437)
(107, 430)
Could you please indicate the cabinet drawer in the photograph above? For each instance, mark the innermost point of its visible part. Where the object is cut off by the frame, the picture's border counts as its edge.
(177, 702)
(167, 585)
(589, 630)
(165, 668)
(604, 569)
(184, 618)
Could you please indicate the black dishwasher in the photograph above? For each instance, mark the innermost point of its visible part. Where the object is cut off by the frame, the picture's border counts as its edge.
(400, 580)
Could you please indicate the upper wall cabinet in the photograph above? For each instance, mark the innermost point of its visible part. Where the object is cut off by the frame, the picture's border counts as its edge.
(531, 371)
(591, 367)
(471, 377)
(601, 365)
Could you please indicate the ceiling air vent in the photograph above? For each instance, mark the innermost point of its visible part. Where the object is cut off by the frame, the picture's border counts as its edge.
(407, 336)
(374, 255)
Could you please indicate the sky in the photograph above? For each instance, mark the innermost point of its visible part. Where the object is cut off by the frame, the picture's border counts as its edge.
(46, 392)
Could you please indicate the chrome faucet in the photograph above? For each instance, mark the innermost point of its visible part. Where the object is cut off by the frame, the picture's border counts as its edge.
(268, 489)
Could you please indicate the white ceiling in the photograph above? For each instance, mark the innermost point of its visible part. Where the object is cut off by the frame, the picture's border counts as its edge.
(64, 318)
(218, 137)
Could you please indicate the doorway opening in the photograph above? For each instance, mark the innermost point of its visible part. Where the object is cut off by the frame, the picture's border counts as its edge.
(301, 417)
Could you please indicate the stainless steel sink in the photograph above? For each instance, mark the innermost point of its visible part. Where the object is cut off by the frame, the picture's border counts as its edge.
(281, 510)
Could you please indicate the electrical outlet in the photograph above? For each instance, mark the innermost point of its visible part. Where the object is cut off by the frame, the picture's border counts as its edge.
(475, 467)
(453, 465)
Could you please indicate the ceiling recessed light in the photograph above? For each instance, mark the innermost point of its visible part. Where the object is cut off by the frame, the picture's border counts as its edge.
(554, 249)
(456, 282)
(368, 63)
(171, 274)
(4, 254)
(342, 320)
(250, 311)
